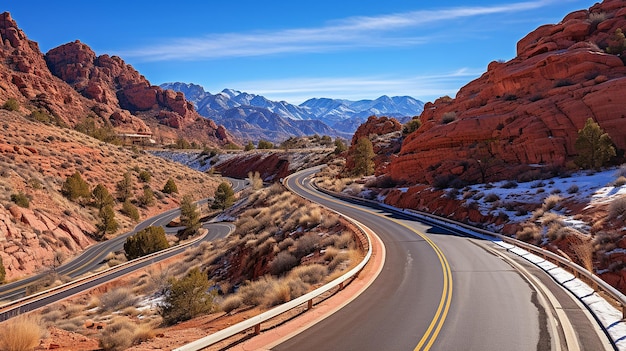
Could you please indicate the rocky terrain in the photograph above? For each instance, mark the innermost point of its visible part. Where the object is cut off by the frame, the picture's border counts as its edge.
(70, 83)
(35, 160)
(527, 111)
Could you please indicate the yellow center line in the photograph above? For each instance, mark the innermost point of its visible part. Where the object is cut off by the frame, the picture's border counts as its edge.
(443, 308)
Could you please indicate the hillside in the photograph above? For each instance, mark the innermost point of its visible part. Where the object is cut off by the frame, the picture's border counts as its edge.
(527, 111)
(71, 82)
(36, 159)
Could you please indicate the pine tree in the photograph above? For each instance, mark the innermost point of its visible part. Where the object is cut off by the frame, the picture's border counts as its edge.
(187, 298)
(124, 188)
(189, 217)
(170, 187)
(594, 146)
(75, 187)
(101, 197)
(224, 196)
(107, 224)
(363, 156)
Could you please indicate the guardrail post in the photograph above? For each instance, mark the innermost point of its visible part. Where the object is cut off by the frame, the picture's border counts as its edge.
(623, 312)
(257, 329)
(309, 304)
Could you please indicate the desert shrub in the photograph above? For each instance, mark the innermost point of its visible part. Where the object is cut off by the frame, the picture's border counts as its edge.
(264, 144)
(256, 182)
(344, 241)
(617, 207)
(21, 333)
(231, 303)
(285, 244)
(146, 241)
(509, 97)
(594, 146)
(310, 274)
(383, 181)
(443, 181)
(145, 176)
(21, 200)
(448, 117)
(491, 197)
(146, 199)
(573, 189)
(282, 263)
(411, 126)
(529, 234)
(620, 181)
(11, 105)
(253, 293)
(170, 187)
(337, 261)
(187, 298)
(117, 299)
(584, 251)
(117, 336)
(130, 210)
(306, 244)
(509, 185)
(551, 202)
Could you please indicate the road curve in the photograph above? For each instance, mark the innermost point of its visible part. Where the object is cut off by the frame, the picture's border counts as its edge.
(216, 231)
(437, 290)
(93, 257)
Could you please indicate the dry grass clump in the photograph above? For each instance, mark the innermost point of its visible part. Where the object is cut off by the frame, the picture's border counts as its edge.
(21, 333)
(617, 207)
(122, 333)
(117, 299)
(231, 303)
(530, 234)
(584, 251)
(551, 202)
(310, 274)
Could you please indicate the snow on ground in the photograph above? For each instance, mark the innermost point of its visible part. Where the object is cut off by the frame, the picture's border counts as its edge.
(591, 187)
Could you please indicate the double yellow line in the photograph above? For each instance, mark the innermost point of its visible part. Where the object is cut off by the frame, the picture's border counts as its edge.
(434, 328)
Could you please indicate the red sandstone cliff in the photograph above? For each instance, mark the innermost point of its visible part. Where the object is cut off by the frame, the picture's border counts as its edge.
(384, 133)
(528, 110)
(98, 85)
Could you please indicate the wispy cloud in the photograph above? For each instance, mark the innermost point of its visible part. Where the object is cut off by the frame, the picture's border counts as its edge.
(349, 33)
(424, 87)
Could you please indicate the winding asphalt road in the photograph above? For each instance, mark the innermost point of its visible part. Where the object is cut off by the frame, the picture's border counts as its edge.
(93, 258)
(442, 291)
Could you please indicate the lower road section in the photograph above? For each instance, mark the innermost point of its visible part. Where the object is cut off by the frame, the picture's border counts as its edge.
(437, 290)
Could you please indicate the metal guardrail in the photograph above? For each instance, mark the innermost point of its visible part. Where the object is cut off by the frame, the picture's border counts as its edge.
(255, 322)
(16, 304)
(577, 270)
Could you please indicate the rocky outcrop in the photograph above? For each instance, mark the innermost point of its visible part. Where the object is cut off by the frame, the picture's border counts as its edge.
(104, 86)
(109, 80)
(31, 239)
(527, 111)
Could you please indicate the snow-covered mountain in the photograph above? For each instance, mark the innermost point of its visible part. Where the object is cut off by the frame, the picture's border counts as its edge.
(334, 117)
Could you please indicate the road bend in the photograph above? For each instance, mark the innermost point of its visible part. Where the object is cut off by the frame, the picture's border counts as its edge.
(439, 291)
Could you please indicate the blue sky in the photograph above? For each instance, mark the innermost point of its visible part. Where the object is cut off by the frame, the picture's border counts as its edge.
(295, 50)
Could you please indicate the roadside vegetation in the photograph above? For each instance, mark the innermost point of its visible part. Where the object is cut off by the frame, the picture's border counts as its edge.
(282, 248)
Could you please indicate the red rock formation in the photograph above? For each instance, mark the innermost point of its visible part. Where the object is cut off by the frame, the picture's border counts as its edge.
(526, 111)
(103, 85)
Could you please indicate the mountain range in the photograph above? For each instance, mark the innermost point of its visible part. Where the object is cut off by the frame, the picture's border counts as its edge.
(252, 117)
